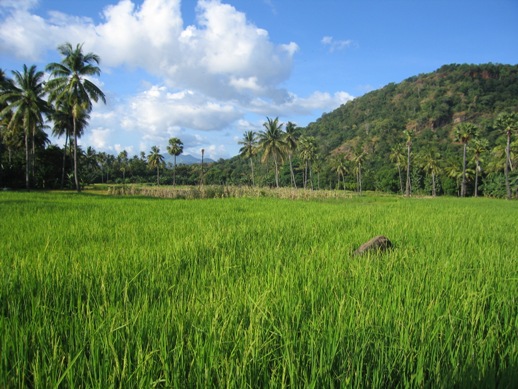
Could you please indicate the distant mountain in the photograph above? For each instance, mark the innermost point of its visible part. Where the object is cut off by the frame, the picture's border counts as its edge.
(186, 159)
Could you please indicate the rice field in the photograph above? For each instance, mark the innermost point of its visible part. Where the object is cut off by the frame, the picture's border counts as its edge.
(100, 292)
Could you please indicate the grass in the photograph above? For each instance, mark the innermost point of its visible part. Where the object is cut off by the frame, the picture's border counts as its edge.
(97, 291)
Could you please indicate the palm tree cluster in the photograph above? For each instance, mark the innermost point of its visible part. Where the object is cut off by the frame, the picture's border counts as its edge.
(275, 145)
(70, 100)
(23, 111)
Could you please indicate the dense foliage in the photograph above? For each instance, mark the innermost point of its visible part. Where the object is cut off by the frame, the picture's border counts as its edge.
(401, 138)
(431, 105)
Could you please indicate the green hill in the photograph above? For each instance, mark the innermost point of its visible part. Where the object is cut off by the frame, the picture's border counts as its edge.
(431, 104)
(364, 135)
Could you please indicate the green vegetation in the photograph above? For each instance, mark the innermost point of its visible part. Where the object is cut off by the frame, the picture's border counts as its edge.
(356, 147)
(421, 114)
(72, 92)
(430, 106)
(98, 291)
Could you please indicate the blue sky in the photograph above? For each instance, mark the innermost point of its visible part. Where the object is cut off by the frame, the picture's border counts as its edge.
(206, 71)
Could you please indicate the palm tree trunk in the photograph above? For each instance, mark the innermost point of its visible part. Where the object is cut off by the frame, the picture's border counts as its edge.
(477, 167)
(158, 175)
(252, 169)
(360, 178)
(276, 172)
(400, 179)
(463, 184)
(27, 184)
(433, 185)
(76, 178)
(292, 174)
(408, 184)
(311, 177)
(174, 172)
(64, 159)
(506, 169)
(33, 154)
(306, 175)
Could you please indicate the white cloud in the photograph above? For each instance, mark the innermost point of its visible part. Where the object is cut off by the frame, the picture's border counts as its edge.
(118, 148)
(206, 77)
(98, 138)
(142, 36)
(295, 105)
(215, 151)
(158, 111)
(336, 45)
(214, 57)
(29, 36)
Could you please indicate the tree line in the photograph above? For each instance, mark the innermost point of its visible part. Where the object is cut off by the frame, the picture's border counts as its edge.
(28, 103)
(275, 146)
(475, 157)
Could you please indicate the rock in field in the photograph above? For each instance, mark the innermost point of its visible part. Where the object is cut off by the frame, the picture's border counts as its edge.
(377, 244)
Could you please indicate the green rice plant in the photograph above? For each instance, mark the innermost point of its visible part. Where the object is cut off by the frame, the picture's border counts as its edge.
(102, 291)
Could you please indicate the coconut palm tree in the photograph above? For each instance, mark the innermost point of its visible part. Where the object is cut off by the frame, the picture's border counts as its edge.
(317, 166)
(122, 159)
(429, 162)
(307, 151)
(70, 86)
(3, 79)
(155, 160)
(5, 85)
(464, 132)
(480, 146)
(507, 123)
(175, 148)
(452, 170)
(357, 158)
(290, 138)
(24, 99)
(397, 156)
(338, 164)
(272, 144)
(249, 149)
(202, 175)
(63, 120)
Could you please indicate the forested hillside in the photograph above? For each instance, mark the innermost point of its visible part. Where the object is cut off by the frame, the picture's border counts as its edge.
(430, 107)
(417, 125)
(431, 104)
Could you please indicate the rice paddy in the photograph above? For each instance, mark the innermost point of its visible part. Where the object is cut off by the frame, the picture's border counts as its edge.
(99, 291)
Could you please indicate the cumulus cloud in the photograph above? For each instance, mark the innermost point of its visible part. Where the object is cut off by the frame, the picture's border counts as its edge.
(29, 36)
(207, 75)
(336, 45)
(223, 55)
(98, 138)
(317, 101)
(158, 110)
